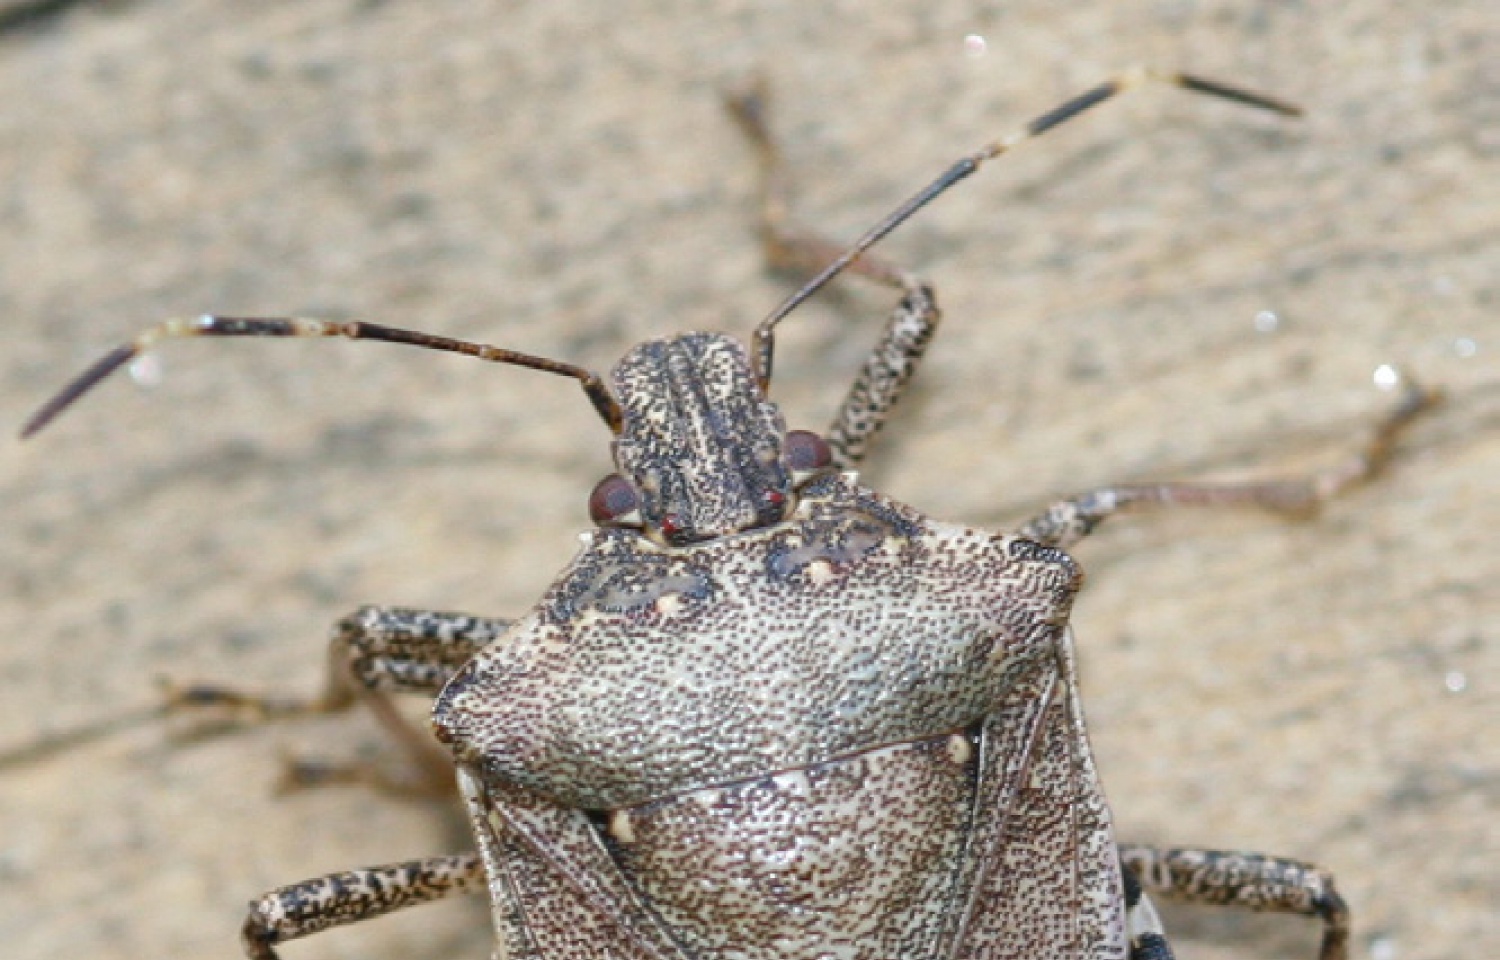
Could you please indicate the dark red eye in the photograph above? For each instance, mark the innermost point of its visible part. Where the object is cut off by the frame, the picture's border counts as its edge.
(671, 526)
(806, 450)
(613, 500)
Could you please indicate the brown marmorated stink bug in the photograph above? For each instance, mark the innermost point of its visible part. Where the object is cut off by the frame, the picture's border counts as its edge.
(767, 712)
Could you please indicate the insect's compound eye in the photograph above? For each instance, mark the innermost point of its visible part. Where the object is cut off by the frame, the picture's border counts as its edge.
(773, 504)
(671, 527)
(614, 502)
(806, 451)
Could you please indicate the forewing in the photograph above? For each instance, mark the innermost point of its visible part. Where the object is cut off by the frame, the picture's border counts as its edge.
(1042, 875)
(555, 894)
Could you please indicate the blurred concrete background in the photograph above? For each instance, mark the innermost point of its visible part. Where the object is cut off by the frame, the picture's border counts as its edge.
(559, 178)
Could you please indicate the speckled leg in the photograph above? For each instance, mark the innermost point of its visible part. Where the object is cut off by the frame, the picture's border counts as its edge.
(1248, 880)
(289, 912)
(1068, 521)
(373, 652)
(911, 325)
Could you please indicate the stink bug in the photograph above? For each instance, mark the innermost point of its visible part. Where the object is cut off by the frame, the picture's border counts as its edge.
(767, 711)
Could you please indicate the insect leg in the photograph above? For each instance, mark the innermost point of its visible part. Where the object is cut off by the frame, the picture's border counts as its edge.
(299, 909)
(1066, 522)
(789, 249)
(884, 376)
(907, 332)
(373, 652)
(1250, 880)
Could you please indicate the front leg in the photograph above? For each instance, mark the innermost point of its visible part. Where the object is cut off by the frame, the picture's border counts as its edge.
(376, 649)
(372, 653)
(884, 376)
(893, 361)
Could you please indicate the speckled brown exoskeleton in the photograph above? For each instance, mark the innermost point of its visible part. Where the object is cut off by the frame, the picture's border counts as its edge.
(767, 712)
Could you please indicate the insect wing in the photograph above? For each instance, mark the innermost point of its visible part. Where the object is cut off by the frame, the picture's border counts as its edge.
(1043, 875)
(554, 892)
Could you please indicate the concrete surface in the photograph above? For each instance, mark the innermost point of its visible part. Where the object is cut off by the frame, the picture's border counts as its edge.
(559, 178)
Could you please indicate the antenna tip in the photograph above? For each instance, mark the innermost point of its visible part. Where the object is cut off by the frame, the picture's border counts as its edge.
(80, 385)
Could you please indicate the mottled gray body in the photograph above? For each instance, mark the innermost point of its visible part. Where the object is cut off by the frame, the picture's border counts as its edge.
(849, 734)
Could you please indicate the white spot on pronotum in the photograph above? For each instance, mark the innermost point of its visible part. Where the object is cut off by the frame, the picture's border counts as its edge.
(1387, 377)
(620, 828)
(1266, 321)
(145, 370)
(669, 604)
(975, 45)
(1465, 347)
(1455, 681)
(820, 572)
(959, 749)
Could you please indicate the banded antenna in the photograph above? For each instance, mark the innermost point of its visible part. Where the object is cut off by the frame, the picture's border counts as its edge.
(1129, 80)
(211, 326)
(604, 403)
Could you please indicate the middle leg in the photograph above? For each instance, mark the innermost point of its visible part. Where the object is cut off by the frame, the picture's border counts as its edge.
(1068, 521)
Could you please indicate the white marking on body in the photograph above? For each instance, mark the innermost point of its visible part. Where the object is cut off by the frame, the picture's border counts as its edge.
(820, 572)
(620, 828)
(959, 749)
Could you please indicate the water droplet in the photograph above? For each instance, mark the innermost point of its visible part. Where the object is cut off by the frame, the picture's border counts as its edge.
(1266, 321)
(145, 370)
(1455, 681)
(1465, 347)
(1387, 377)
(1384, 948)
(974, 45)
